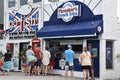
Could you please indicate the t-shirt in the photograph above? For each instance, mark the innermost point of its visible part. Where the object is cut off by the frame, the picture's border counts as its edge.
(52, 53)
(29, 52)
(69, 55)
(91, 52)
(37, 53)
(7, 56)
(86, 58)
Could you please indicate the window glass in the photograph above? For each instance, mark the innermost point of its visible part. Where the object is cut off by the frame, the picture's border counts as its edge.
(1, 35)
(109, 55)
(11, 3)
(53, 0)
(23, 2)
(35, 1)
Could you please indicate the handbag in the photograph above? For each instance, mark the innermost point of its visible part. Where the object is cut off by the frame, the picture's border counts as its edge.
(32, 58)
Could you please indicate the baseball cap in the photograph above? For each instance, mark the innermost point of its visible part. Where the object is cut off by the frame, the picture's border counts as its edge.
(69, 46)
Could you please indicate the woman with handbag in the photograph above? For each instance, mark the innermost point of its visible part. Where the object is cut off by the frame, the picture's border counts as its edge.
(30, 59)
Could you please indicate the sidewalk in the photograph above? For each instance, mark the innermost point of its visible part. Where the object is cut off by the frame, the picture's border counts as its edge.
(21, 76)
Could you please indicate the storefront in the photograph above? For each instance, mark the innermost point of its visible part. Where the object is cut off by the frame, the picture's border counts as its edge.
(22, 22)
(72, 23)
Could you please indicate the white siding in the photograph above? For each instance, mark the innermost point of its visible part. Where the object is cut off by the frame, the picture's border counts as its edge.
(111, 32)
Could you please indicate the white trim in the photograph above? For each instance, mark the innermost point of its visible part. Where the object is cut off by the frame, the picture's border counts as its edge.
(70, 36)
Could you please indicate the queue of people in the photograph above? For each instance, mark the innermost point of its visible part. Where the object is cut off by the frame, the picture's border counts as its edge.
(87, 58)
(43, 61)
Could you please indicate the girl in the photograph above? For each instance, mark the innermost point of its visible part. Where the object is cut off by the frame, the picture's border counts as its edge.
(7, 65)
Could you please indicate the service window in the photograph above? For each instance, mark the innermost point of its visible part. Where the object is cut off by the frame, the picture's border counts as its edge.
(11, 3)
(35, 1)
(23, 2)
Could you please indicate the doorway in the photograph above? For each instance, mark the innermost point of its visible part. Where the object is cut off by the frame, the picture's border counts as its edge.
(22, 48)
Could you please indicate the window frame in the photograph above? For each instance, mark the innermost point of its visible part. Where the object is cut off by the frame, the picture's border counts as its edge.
(109, 54)
(8, 2)
(24, 2)
(36, 2)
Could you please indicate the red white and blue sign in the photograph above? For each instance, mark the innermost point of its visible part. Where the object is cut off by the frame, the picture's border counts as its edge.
(25, 22)
(68, 11)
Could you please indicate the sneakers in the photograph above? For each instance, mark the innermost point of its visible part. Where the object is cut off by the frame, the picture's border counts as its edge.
(92, 79)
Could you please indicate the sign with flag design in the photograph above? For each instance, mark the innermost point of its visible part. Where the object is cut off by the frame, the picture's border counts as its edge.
(19, 22)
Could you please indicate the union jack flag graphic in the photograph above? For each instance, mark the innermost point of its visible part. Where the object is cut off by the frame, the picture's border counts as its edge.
(23, 23)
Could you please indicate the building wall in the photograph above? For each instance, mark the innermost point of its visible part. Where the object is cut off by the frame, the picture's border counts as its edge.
(111, 32)
(1, 11)
(94, 5)
(1, 22)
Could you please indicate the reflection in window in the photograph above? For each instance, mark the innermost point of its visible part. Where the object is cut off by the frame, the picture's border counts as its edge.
(109, 55)
(35, 1)
(23, 2)
(11, 3)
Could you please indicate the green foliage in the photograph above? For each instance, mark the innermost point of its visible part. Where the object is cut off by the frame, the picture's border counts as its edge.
(1, 54)
(22, 55)
(118, 57)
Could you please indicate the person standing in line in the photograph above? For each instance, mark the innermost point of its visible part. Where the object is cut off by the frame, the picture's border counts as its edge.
(7, 65)
(92, 60)
(46, 60)
(38, 63)
(86, 63)
(29, 53)
(69, 65)
(52, 59)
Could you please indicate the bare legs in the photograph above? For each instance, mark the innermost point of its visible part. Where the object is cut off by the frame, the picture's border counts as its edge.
(37, 70)
(92, 71)
(72, 75)
(28, 70)
(50, 69)
(86, 74)
(45, 69)
(66, 75)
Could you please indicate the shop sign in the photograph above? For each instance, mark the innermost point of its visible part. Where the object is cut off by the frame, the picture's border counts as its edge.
(24, 19)
(68, 11)
(22, 35)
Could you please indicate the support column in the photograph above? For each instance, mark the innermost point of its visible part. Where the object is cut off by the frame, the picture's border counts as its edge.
(102, 58)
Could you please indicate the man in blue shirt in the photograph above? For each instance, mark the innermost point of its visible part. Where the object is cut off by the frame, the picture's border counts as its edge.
(69, 57)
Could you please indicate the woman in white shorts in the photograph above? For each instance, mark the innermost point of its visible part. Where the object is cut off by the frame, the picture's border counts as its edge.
(46, 60)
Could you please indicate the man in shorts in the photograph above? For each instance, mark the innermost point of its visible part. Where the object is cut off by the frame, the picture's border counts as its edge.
(52, 59)
(92, 60)
(38, 63)
(69, 65)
